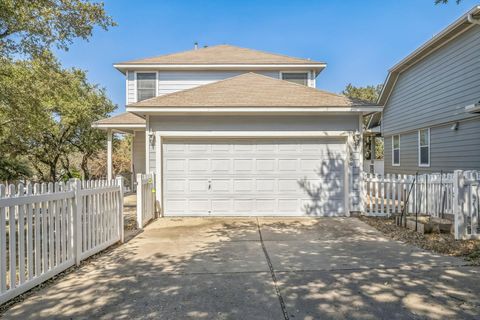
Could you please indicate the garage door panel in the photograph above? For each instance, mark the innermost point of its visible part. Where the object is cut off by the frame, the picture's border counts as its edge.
(198, 165)
(265, 185)
(175, 185)
(176, 165)
(287, 165)
(254, 177)
(221, 165)
(243, 165)
(243, 185)
(332, 207)
(264, 165)
(195, 185)
(221, 206)
(221, 185)
(243, 206)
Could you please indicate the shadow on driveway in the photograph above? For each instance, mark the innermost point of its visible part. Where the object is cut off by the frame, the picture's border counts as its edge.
(205, 268)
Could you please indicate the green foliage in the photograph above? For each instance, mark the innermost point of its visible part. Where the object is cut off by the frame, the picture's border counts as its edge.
(32, 27)
(368, 93)
(12, 169)
(46, 114)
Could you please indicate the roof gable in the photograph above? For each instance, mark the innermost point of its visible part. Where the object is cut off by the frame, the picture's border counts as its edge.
(222, 54)
(251, 90)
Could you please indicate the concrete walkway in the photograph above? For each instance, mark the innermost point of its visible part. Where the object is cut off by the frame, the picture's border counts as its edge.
(202, 268)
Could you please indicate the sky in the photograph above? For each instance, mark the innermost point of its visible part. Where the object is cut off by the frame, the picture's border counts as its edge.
(359, 40)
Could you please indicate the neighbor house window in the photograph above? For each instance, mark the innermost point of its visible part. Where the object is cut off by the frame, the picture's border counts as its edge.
(146, 85)
(424, 147)
(396, 150)
(296, 77)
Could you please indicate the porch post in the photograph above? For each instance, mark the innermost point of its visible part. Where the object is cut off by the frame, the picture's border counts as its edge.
(109, 155)
(373, 156)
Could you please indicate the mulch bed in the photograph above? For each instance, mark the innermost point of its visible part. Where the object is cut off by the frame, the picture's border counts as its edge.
(443, 243)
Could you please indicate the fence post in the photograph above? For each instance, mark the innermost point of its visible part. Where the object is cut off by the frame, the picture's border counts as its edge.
(120, 183)
(77, 220)
(139, 201)
(457, 205)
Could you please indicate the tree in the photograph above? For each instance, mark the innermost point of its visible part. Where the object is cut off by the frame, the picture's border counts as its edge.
(31, 27)
(12, 169)
(46, 114)
(368, 93)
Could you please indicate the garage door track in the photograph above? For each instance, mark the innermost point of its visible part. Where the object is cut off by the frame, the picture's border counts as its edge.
(265, 268)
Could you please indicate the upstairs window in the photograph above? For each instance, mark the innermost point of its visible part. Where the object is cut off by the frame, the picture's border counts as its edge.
(396, 150)
(146, 85)
(296, 77)
(424, 147)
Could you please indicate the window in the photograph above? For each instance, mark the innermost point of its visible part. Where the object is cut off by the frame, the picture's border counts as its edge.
(296, 77)
(424, 147)
(396, 150)
(146, 85)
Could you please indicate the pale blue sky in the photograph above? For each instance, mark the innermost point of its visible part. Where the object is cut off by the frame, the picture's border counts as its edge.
(359, 40)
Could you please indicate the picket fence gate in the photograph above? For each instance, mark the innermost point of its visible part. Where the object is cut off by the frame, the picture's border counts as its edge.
(452, 195)
(145, 199)
(47, 228)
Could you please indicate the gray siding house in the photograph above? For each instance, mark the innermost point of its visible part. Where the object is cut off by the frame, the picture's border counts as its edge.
(431, 119)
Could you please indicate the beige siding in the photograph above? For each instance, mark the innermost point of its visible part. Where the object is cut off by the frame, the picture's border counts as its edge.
(138, 152)
(131, 97)
(172, 81)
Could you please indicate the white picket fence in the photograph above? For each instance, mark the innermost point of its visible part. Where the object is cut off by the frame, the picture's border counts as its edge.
(145, 199)
(449, 195)
(47, 228)
(466, 207)
(430, 194)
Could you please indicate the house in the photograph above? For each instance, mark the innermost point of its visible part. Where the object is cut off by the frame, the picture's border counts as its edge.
(235, 131)
(431, 119)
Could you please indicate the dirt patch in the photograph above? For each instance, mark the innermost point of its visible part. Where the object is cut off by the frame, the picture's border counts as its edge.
(442, 243)
(129, 219)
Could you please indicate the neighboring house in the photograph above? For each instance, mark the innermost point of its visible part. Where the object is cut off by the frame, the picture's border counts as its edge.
(431, 119)
(234, 131)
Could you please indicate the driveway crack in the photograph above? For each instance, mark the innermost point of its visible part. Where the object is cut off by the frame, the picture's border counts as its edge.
(272, 273)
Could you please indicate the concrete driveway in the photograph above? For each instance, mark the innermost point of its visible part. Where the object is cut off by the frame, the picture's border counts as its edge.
(203, 268)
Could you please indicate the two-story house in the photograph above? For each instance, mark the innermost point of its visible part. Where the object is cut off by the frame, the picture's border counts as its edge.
(234, 131)
(431, 119)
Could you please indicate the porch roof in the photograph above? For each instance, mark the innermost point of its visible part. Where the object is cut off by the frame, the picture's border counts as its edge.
(124, 122)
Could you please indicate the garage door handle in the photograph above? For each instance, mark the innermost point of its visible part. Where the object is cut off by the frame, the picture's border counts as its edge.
(209, 185)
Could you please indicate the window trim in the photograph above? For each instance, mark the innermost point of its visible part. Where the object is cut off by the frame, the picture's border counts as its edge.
(426, 165)
(308, 72)
(135, 83)
(393, 150)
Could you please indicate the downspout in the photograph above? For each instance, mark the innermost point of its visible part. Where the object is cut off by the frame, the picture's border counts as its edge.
(472, 20)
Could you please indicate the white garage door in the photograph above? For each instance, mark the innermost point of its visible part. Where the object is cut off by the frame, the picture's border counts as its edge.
(242, 177)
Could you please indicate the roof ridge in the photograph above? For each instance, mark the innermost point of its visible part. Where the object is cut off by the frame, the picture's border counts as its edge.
(199, 50)
(171, 54)
(275, 54)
